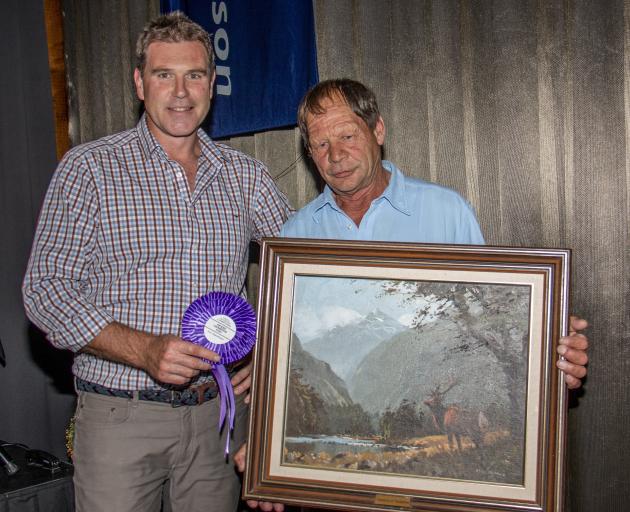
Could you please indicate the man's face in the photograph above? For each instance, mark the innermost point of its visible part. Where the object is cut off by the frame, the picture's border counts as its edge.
(346, 152)
(176, 89)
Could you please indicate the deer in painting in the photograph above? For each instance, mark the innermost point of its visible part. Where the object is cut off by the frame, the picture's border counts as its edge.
(454, 421)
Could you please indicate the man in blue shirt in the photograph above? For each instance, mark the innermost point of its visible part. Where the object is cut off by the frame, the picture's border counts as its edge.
(407, 210)
(367, 198)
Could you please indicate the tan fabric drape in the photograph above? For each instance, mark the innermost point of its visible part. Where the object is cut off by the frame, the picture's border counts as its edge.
(522, 106)
(100, 45)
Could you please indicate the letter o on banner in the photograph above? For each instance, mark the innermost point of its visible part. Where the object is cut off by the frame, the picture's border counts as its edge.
(219, 36)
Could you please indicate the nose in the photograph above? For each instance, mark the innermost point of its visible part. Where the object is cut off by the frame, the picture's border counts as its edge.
(336, 152)
(181, 90)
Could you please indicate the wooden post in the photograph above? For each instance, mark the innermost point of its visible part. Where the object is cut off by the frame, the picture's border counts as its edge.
(56, 64)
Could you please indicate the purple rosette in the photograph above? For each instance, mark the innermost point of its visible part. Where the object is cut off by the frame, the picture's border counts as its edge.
(226, 324)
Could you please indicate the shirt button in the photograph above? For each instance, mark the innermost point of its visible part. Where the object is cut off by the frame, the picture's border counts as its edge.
(349, 226)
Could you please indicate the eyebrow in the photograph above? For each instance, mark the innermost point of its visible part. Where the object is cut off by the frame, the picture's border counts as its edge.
(170, 70)
(345, 125)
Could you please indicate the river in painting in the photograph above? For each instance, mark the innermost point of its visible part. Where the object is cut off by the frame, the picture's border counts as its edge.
(334, 445)
(428, 456)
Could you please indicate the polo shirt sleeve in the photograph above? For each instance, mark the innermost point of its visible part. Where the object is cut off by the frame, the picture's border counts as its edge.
(290, 228)
(469, 230)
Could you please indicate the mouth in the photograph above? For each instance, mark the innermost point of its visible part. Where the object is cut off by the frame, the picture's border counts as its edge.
(180, 109)
(341, 174)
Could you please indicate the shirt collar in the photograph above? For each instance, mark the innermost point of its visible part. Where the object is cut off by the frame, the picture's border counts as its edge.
(210, 153)
(395, 191)
(148, 142)
(394, 194)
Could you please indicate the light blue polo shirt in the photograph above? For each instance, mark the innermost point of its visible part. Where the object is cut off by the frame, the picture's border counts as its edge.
(409, 210)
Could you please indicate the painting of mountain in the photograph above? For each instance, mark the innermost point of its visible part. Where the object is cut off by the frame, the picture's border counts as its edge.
(344, 347)
(409, 365)
(318, 375)
(318, 402)
(439, 394)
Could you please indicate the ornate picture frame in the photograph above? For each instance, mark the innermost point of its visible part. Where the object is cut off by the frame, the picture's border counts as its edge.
(392, 376)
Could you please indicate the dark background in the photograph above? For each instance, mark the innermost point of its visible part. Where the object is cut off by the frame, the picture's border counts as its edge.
(36, 395)
(522, 106)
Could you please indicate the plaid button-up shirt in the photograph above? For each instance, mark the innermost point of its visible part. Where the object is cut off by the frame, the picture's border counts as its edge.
(121, 238)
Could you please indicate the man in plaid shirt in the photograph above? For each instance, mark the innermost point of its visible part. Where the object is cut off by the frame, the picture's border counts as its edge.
(134, 227)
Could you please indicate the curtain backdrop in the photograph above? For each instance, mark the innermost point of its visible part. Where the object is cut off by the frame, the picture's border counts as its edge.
(36, 395)
(523, 106)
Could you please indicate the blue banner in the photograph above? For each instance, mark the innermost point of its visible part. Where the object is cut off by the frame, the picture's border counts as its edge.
(265, 57)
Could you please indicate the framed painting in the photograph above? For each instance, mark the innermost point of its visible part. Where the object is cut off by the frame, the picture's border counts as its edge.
(391, 376)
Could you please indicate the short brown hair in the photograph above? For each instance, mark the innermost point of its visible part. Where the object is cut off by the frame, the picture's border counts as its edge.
(174, 27)
(359, 98)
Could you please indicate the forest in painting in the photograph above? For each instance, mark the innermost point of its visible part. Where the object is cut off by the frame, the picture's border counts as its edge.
(408, 377)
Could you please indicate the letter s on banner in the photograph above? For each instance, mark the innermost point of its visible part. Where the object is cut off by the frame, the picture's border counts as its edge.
(220, 13)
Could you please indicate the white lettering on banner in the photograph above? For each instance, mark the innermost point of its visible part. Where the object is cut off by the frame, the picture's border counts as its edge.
(221, 36)
(221, 48)
(225, 90)
(221, 13)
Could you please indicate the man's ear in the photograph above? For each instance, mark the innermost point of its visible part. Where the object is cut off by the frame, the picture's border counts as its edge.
(137, 80)
(379, 131)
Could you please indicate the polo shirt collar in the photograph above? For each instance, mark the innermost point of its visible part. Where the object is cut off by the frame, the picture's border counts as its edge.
(394, 194)
(395, 191)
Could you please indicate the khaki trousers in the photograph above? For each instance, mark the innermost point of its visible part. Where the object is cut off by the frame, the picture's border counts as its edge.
(126, 450)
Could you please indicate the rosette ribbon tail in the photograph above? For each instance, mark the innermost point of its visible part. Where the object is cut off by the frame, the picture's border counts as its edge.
(228, 406)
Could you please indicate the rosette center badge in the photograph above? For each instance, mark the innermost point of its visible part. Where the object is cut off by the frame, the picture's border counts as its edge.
(219, 329)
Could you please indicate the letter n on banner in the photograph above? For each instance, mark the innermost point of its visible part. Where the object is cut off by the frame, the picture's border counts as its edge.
(265, 56)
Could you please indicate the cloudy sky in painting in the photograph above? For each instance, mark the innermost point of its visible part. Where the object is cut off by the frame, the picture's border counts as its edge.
(322, 303)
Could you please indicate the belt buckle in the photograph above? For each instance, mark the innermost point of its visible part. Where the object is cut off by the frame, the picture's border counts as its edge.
(176, 398)
(201, 391)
